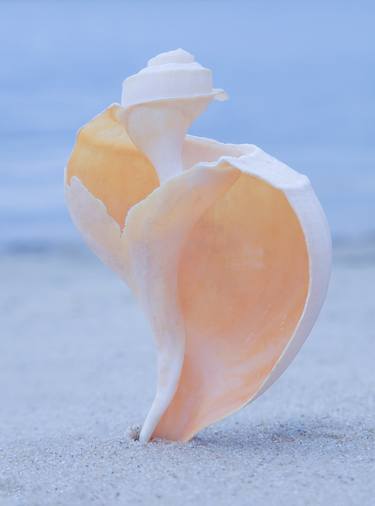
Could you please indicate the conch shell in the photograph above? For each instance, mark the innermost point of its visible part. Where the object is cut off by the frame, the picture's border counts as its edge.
(226, 248)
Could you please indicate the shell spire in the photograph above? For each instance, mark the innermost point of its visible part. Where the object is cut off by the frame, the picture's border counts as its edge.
(167, 76)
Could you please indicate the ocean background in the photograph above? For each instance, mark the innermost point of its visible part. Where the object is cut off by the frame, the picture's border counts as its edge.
(300, 75)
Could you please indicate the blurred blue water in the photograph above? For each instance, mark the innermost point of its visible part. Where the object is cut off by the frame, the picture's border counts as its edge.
(301, 76)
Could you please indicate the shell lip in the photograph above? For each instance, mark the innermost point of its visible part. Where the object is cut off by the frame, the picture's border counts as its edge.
(294, 180)
(241, 149)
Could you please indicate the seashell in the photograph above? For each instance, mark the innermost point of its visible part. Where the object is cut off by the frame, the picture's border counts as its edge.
(226, 248)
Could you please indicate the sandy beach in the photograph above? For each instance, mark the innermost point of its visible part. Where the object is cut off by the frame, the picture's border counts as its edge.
(77, 371)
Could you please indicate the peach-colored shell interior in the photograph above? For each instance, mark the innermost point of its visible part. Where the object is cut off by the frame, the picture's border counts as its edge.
(242, 282)
(106, 161)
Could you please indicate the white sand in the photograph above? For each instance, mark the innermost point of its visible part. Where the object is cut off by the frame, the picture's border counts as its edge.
(77, 370)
